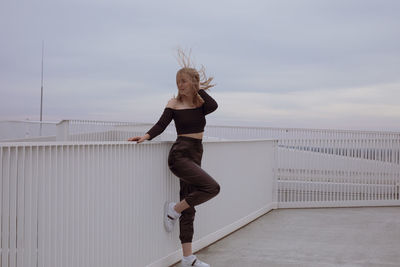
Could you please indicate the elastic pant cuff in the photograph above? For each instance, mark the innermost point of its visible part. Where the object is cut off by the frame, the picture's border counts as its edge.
(189, 202)
(186, 241)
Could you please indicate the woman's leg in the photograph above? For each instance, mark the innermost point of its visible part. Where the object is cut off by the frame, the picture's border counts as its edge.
(191, 173)
(186, 219)
(184, 161)
(197, 187)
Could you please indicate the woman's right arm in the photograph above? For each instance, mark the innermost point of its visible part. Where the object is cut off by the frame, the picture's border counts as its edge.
(159, 127)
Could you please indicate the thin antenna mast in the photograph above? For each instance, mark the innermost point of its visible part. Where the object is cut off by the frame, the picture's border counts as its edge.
(41, 92)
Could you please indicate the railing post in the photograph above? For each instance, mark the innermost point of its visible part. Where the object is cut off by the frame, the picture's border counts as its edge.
(63, 130)
(275, 175)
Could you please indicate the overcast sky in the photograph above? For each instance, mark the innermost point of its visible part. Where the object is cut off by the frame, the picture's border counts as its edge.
(314, 64)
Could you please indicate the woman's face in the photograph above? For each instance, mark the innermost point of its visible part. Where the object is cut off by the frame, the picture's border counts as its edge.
(184, 84)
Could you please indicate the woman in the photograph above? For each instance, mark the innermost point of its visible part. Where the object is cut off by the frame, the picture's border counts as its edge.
(188, 111)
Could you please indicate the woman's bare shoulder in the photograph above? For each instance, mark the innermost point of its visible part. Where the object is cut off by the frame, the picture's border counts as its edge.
(172, 103)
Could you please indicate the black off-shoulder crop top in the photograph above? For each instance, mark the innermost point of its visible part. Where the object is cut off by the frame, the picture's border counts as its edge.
(186, 120)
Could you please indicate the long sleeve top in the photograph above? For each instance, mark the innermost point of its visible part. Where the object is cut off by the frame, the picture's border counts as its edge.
(190, 120)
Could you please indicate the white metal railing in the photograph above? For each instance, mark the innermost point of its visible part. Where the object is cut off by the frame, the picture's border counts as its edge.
(14, 130)
(301, 154)
(311, 179)
(329, 168)
(74, 130)
(100, 203)
(84, 130)
(237, 132)
(382, 146)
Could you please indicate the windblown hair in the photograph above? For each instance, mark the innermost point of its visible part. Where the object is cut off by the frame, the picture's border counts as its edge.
(198, 77)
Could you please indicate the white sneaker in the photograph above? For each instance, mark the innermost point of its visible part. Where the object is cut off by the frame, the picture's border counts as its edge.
(170, 216)
(195, 262)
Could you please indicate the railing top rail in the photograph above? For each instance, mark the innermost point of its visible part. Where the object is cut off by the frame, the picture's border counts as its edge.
(33, 122)
(104, 122)
(305, 129)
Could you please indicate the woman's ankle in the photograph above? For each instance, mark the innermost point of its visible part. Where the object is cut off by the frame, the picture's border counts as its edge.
(181, 206)
(187, 249)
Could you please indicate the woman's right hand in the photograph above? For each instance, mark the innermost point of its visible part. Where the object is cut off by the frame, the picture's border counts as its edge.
(139, 139)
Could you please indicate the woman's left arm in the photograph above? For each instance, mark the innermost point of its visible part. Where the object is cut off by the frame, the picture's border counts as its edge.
(210, 104)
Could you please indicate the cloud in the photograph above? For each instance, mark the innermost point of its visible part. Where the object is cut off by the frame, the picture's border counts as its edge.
(372, 107)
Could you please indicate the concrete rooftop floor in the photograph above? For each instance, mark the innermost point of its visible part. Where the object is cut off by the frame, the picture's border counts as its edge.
(322, 237)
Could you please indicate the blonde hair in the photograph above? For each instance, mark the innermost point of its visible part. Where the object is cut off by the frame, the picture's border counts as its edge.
(198, 78)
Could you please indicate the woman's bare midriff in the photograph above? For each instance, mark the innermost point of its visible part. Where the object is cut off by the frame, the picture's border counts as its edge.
(193, 135)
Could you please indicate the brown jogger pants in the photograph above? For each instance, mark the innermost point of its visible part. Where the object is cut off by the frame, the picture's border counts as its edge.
(196, 186)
